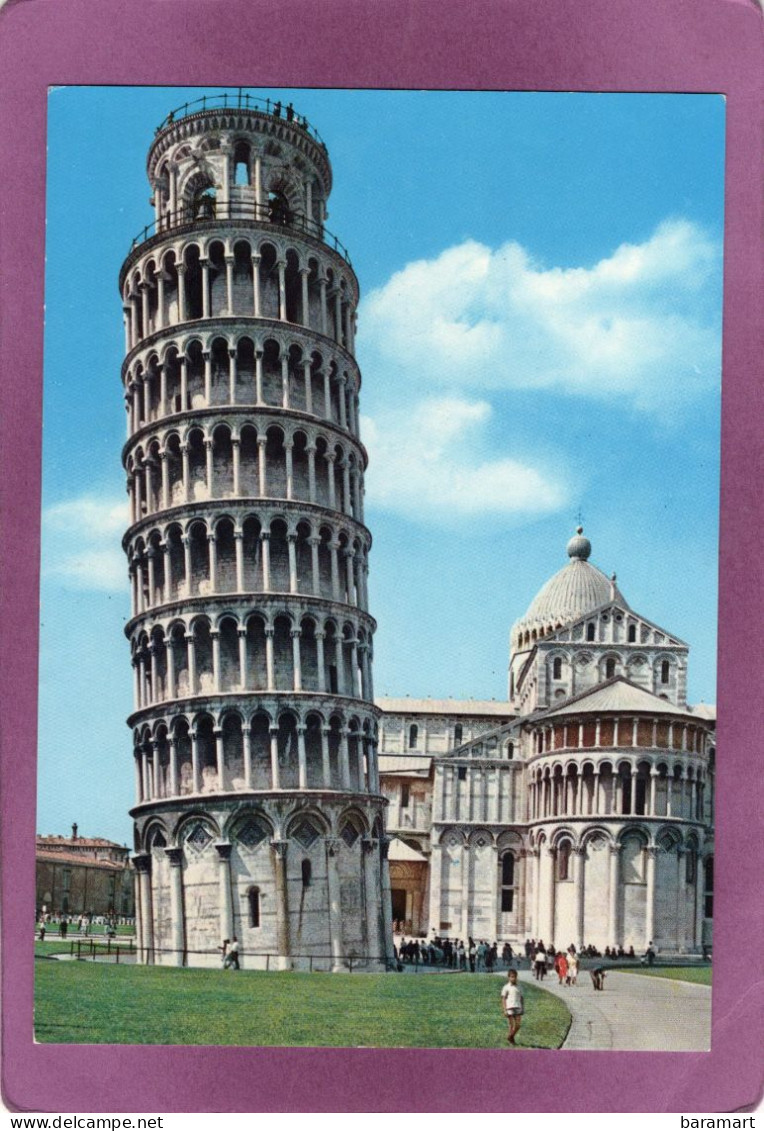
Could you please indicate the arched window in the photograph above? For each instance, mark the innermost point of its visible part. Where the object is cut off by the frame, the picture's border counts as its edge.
(590, 631)
(563, 860)
(458, 732)
(632, 634)
(405, 795)
(507, 881)
(665, 671)
(253, 899)
(557, 668)
(241, 164)
(609, 668)
(510, 749)
(690, 866)
(306, 869)
(413, 736)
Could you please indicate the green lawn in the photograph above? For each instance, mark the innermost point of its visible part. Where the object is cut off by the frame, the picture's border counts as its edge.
(81, 1002)
(699, 974)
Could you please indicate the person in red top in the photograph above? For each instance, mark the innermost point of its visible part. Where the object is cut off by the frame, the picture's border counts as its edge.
(561, 966)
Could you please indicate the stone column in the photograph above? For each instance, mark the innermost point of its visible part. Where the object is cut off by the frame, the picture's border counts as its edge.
(288, 453)
(210, 470)
(344, 759)
(326, 765)
(613, 894)
(177, 935)
(224, 881)
(238, 541)
(281, 266)
(466, 891)
(333, 548)
(219, 757)
(333, 848)
(304, 295)
(258, 376)
(207, 358)
(186, 478)
(327, 393)
(191, 645)
(145, 932)
(320, 637)
(435, 879)
(549, 915)
(308, 386)
(536, 925)
(314, 541)
(274, 737)
(165, 473)
(261, 466)
(174, 788)
(215, 637)
(372, 900)
(196, 770)
(699, 900)
(302, 761)
(205, 266)
(311, 450)
(322, 281)
(229, 265)
(242, 635)
(256, 285)
(270, 678)
(236, 461)
(681, 902)
(183, 369)
(579, 879)
(279, 849)
(387, 898)
(247, 753)
(265, 544)
(292, 554)
(652, 854)
(296, 633)
(284, 381)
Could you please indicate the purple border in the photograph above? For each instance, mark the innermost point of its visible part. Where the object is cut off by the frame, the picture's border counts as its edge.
(651, 45)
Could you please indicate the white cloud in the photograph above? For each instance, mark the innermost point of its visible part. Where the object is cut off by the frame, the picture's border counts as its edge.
(82, 543)
(430, 463)
(641, 324)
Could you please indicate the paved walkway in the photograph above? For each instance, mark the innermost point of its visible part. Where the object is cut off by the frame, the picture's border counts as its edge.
(635, 1011)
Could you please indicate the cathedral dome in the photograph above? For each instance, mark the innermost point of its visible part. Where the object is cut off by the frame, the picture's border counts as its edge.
(578, 588)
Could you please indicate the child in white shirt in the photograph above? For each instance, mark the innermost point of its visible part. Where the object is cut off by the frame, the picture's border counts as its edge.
(512, 1005)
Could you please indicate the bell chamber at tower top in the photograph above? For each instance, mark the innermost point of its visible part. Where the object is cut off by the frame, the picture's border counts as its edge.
(239, 188)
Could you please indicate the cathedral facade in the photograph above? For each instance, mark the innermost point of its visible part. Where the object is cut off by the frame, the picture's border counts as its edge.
(580, 810)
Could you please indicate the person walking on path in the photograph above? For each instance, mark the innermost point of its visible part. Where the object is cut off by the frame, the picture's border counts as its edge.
(572, 968)
(539, 964)
(512, 1005)
(561, 966)
(231, 960)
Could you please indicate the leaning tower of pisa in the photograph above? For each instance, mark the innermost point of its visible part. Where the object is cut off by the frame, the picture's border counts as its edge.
(258, 812)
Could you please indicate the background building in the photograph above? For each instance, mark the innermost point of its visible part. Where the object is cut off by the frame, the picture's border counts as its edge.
(586, 814)
(80, 875)
(258, 808)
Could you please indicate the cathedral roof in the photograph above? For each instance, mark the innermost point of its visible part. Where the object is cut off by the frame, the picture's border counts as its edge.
(575, 590)
(617, 694)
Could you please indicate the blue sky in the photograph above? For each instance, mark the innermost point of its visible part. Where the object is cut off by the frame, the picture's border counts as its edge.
(539, 333)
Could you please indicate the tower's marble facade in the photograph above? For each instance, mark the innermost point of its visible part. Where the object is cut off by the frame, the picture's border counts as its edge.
(258, 807)
(586, 814)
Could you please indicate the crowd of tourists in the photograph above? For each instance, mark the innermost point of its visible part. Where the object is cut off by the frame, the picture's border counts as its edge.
(63, 924)
(476, 956)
